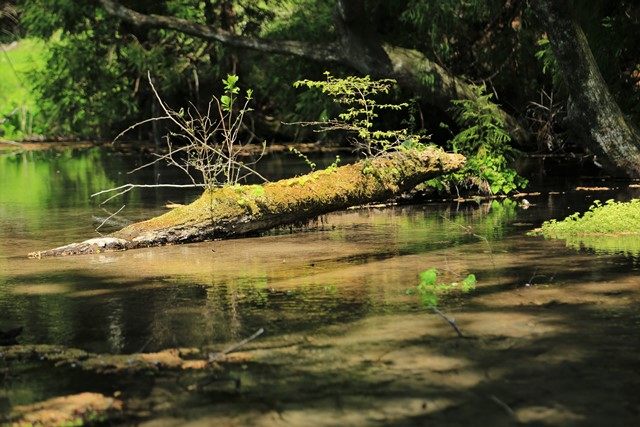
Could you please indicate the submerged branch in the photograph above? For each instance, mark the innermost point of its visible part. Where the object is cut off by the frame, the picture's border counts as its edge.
(449, 320)
(217, 356)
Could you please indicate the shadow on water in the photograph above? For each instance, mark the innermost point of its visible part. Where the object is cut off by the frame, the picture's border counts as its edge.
(539, 355)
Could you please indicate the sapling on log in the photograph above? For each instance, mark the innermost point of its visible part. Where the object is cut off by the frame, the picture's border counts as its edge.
(240, 210)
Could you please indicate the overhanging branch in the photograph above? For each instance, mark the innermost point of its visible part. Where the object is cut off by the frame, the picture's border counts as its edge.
(316, 52)
(358, 49)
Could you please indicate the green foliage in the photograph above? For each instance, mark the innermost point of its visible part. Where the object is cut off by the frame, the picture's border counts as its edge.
(361, 111)
(430, 291)
(545, 54)
(444, 26)
(609, 218)
(547, 58)
(612, 227)
(230, 91)
(485, 142)
(334, 165)
(81, 94)
(93, 81)
(312, 165)
(308, 20)
(19, 110)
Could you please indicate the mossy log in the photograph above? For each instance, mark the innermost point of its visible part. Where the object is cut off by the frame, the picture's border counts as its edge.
(248, 209)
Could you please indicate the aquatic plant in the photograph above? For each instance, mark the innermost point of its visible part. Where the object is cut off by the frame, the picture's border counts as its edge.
(610, 217)
(312, 165)
(430, 291)
(610, 227)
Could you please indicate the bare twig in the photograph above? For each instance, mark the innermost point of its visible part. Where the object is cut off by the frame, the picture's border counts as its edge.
(108, 218)
(211, 141)
(449, 320)
(213, 357)
(535, 276)
(503, 405)
(123, 189)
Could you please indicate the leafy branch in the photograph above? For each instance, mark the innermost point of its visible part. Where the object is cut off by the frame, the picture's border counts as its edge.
(361, 111)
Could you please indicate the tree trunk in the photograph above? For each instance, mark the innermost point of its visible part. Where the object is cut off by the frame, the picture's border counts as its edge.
(242, 210)
(431, 82)
(359, 48)
(594, 115)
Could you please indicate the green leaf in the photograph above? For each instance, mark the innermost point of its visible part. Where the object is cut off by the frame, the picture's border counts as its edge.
(429, 299)
(428, 277)
(469, 283)
(226, 102)
(230, 82)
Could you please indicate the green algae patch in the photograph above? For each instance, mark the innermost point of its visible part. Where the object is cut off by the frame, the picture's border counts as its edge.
(606, 227)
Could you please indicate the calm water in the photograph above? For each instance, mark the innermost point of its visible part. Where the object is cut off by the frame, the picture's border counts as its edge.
(553, 327)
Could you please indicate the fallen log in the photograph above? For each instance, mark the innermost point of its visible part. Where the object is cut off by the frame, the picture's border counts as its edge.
(246, 209)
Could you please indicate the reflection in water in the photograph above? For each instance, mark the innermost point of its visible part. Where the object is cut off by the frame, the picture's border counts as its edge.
(338, 286)
(628, 245)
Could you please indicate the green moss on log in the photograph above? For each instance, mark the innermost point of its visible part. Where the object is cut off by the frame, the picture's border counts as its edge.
(241, 210)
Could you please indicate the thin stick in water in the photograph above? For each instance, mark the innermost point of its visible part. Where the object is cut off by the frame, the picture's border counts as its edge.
(452, 322)
(503, 405)
(109, 217)
(217, 356)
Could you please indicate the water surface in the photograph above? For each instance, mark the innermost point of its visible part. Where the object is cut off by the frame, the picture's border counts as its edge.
(552, 329)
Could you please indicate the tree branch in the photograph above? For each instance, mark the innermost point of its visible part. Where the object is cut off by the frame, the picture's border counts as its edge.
(359, 49)
(323, 53)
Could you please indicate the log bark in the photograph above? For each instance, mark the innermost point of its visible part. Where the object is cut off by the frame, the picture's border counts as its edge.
(241, 210)
(358, 48)
(594, 115)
